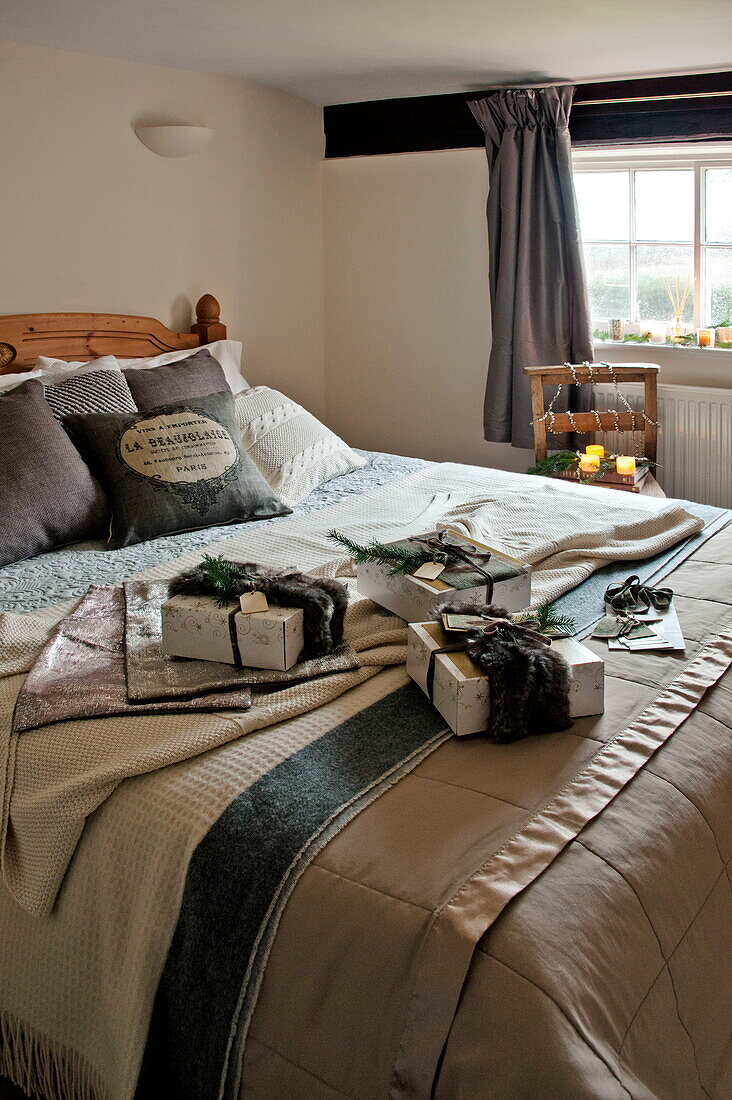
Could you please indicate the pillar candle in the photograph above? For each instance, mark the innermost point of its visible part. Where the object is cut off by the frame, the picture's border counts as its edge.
(589, 464)
(595, 449)
(625, 464)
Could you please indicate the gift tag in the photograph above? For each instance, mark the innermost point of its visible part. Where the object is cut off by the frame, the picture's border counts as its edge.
(461, 623)
(430, 571)
(608, 627)
(641, 630)
(251, 602)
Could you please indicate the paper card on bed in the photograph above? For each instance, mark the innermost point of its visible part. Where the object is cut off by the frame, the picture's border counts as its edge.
(640, 645)
(669, 624)
(667, 635)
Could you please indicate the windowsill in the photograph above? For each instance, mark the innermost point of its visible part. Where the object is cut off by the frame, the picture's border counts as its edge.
(655, 348)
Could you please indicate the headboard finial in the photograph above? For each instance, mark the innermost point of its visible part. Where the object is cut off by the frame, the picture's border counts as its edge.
(208, 326)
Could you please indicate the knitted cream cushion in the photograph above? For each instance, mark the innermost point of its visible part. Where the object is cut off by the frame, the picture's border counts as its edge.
(292, 449)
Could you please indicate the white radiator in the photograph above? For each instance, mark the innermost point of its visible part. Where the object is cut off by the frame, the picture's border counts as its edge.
(694, 442)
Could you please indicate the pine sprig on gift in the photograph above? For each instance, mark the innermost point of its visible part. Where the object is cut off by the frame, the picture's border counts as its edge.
(400, 560)
(548, 620)
(224, 577)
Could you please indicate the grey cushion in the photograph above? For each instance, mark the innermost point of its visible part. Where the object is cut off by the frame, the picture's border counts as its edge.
(103, 390)
(175, 468)
(48, 497)
(196, 376)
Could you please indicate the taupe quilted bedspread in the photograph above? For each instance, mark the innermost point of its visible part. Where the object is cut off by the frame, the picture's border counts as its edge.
(528, 920)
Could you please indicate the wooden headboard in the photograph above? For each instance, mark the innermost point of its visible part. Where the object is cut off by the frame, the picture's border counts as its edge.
(83, 336)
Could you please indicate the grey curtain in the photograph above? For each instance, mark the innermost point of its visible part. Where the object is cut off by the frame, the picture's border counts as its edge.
(539, 301)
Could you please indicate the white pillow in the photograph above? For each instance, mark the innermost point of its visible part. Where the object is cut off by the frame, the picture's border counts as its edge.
(225, 352)
(292, 449)
(51, 371)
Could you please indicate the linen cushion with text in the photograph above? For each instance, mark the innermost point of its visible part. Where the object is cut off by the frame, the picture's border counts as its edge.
(177, 467)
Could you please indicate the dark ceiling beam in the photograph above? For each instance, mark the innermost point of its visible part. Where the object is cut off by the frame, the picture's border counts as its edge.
(425, 123)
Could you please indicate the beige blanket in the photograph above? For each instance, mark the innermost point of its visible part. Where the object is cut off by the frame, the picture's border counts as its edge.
(104, 943)
(565, 531)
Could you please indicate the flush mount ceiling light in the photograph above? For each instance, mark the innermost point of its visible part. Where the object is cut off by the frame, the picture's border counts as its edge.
(174, 141)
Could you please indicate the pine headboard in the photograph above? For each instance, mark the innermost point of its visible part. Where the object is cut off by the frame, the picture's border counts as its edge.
(83, 336)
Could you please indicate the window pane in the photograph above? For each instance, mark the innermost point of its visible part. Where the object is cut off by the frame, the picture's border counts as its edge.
(608, 275)
(719, 204)
(665, 274)
(664, 205)
(604, 205)
(719, 285)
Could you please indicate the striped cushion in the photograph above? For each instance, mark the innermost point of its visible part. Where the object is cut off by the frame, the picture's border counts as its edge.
(100, 391)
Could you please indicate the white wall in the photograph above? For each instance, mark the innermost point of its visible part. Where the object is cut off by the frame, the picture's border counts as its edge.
(92, 220)
(407, 311)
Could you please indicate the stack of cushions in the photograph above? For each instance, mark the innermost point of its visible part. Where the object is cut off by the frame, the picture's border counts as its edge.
(227, 354)
(293, 450)
(171, 446)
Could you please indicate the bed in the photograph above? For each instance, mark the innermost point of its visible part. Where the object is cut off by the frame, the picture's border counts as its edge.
(547, 918)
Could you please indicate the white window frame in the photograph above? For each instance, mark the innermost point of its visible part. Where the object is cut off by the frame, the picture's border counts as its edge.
(631, 159)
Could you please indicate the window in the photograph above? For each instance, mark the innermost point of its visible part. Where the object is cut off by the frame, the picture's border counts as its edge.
(657, 235)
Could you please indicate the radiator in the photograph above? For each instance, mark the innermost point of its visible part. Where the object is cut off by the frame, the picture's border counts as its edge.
(694, 441)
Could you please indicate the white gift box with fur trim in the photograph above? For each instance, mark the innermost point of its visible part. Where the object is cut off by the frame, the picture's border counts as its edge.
(195, 626)
(413, 598)
(460, 689)
(587, 672)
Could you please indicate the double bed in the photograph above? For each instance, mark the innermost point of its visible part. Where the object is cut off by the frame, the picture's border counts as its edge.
(547, 918)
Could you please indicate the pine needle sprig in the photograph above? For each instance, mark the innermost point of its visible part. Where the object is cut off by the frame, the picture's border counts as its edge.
(224, 577)
(548, 620)
(564, 461)
(400, 560)
(555, 464)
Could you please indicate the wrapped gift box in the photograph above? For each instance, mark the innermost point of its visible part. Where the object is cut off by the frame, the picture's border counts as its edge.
(413, 598)
(587, 688)
(460, 691)
(195, 626)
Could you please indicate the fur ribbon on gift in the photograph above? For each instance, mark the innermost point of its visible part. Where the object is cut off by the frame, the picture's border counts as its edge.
(323, 601)
(527, 679)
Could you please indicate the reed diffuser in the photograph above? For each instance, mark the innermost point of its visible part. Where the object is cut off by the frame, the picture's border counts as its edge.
(678, 296)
